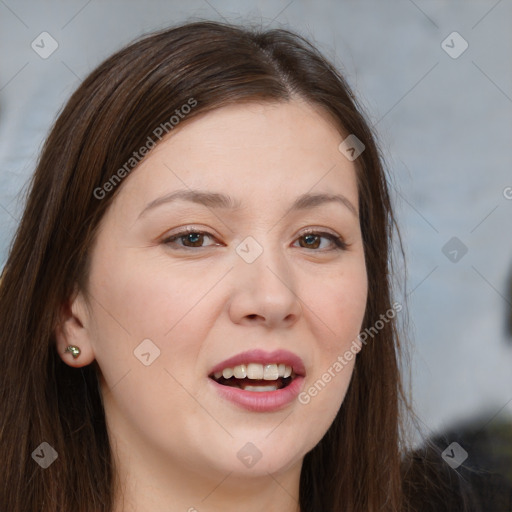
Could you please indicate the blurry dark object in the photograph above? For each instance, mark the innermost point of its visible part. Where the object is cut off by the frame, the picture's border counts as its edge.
(482, 483)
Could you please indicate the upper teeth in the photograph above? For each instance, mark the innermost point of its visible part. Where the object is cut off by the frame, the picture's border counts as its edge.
(256, 371)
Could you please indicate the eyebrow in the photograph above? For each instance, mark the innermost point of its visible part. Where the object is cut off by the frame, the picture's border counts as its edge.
(219, 200)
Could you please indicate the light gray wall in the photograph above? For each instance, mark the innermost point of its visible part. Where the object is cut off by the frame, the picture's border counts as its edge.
(445, 125)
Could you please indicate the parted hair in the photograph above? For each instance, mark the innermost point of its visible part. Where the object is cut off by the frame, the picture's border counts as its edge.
(356, 466)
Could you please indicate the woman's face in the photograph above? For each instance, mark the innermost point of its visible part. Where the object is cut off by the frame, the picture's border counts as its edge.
(168, 308)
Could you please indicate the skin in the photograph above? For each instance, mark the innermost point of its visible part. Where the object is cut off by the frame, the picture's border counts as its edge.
(174, 439)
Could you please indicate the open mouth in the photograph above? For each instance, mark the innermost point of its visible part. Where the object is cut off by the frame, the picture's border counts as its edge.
(256, 377)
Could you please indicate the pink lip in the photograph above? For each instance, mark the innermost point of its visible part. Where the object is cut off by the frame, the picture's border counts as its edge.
(262, 357)
(264, 401)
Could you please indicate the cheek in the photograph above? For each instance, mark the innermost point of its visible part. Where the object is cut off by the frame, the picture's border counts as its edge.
(339, 303)
(147, 298)
(157, 312)
(138, 302)
(339, 307)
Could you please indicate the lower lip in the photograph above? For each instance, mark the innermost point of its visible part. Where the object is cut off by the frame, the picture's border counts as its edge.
(261, 401)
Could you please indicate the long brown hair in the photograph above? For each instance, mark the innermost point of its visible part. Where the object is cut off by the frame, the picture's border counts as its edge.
(356, 466)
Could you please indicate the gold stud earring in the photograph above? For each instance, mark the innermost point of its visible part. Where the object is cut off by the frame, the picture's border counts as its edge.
(75, 351)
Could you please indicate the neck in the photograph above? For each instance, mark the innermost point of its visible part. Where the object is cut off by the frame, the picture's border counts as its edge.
(149, 487)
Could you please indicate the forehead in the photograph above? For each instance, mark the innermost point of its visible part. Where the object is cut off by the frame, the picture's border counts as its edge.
(253, 151)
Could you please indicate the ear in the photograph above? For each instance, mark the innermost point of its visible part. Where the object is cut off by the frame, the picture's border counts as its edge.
(73, 328)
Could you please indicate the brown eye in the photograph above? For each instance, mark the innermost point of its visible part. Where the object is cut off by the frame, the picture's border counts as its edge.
(189, 238)
(312, 240)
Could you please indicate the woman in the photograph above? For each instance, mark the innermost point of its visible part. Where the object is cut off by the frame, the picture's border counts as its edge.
(196, 311)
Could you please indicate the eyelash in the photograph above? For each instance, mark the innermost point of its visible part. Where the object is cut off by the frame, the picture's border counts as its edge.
(339, 244)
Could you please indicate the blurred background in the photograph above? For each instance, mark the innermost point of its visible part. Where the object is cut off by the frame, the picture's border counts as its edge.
(435, 79)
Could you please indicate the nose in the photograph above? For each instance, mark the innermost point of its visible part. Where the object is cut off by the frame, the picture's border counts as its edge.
(265, 292)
